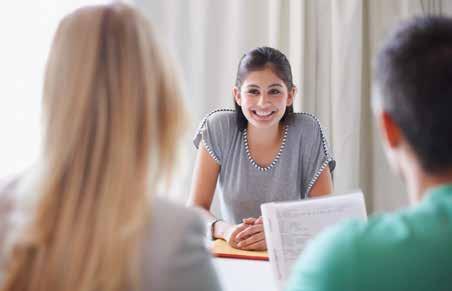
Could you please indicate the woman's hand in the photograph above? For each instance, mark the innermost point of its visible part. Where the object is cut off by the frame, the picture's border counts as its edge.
(252, 238)
(231, 233)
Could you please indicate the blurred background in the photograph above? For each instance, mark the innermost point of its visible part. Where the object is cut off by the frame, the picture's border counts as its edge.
(330, 45)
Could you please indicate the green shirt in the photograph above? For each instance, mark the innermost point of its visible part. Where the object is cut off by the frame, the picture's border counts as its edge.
(409, 250)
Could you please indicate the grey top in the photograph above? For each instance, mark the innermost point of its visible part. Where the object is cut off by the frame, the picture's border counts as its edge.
(174, 256)
(243, 184)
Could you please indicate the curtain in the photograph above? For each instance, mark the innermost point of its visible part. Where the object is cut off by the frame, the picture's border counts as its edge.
(27, 29)
(330, 44)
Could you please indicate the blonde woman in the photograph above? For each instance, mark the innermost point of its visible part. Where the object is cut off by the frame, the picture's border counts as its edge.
(84, 218)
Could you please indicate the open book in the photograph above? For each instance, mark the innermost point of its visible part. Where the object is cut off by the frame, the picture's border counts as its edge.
(289, 226)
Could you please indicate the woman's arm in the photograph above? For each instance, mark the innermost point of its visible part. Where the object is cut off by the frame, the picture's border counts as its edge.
(204, 181)
(323, 185)
(253, 237)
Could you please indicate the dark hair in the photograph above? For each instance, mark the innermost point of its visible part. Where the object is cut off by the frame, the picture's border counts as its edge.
(414, 77)
(258, 59)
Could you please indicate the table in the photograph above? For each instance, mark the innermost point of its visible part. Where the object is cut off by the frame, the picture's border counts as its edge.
(245, 275)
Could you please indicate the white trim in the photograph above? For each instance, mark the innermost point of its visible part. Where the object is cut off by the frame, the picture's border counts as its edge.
(316, 176)
(201, 127)
(275, 160)
(210, 151)
(329, 157)
(322, 134)
(204, 121)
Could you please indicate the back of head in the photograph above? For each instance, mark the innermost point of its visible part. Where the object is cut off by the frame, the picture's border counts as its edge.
(414, 82)
(112, 112)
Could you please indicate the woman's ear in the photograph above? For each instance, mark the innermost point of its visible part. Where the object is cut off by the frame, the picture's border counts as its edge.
(236, 93)
(291, 95)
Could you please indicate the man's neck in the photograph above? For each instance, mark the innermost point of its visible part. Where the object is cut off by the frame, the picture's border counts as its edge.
(419, 182)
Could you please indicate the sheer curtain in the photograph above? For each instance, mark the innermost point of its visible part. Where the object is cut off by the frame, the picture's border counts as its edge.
(330, 44)
(26, 29)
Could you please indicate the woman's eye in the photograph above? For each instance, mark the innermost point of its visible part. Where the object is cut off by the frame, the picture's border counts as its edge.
(253, 92)
(274, 91)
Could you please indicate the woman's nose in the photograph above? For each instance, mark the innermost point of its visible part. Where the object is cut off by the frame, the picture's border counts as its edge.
(262, 99)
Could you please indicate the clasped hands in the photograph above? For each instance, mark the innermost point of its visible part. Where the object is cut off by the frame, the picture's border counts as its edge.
(248, 235)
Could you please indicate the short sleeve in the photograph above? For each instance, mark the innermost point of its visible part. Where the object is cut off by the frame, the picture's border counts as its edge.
(315, 154)
(214, 132)
(329, 261)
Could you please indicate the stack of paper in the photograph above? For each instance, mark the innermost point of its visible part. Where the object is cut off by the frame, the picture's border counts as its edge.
(289, 226)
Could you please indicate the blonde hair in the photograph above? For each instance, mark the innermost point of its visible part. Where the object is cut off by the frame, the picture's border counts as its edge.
(112, 109)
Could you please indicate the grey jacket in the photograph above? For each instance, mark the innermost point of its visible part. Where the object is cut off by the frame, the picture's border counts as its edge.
(174, 255)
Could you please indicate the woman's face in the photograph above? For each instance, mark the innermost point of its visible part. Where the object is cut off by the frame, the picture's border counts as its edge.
(263, 98)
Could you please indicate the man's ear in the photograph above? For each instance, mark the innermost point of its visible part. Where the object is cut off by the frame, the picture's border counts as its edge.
(236, 93)
(291, 95)
(389, 129)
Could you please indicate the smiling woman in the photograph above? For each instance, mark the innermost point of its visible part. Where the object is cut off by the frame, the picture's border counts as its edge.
(260, 152)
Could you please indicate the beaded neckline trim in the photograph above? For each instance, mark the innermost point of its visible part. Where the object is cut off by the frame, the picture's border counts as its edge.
(277, 157)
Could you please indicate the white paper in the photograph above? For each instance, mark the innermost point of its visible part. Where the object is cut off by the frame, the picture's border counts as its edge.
(289, 226)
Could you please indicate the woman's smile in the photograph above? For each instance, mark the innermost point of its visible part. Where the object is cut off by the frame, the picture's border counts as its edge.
(263, 115)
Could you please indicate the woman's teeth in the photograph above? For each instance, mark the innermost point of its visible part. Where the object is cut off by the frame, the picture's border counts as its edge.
(263, 113)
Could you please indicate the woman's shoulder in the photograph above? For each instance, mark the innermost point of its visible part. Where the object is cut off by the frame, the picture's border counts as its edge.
(171, 225)
(175, 254)
(305, 120)
(220, 117)
(8, 192)
(173, 214)
(8, 185)
(216, 129)
(8, 189)
(309, 130)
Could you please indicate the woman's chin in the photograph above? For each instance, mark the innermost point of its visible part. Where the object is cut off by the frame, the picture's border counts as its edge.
(263, 124)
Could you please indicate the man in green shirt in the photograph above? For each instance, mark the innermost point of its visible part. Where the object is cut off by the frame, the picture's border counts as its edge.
(412, 249)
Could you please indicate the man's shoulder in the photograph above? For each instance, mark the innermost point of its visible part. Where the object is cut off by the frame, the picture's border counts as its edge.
(356, 242)
(381, 254)
(380, 235)
(384, 239)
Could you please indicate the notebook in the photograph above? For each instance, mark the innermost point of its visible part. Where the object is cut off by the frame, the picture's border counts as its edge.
(221, 248)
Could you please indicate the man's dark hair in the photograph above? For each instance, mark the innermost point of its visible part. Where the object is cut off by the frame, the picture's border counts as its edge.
(259, 59)
(414, 79)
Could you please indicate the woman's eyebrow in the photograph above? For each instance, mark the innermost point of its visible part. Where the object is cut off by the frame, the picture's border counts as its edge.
(275, 85)
(252, 86)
